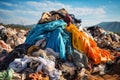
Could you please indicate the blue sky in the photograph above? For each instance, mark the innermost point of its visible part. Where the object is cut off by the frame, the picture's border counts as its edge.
(29, 11)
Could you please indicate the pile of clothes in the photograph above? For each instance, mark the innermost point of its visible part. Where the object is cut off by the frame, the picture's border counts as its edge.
(9, 38)
(105, 39)
(55, 49)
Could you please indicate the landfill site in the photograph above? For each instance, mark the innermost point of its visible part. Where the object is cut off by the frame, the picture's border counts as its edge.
(58, 48)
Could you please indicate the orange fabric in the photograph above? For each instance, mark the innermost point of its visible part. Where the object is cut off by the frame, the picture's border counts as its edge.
(37, 76)
(85, 44)
(3, 44)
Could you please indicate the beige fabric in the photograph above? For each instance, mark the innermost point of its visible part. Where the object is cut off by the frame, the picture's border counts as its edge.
(47, 16)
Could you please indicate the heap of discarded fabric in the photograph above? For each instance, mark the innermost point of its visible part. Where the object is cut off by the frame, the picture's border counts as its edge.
(105, 39)
(53, 28)
(53, 49)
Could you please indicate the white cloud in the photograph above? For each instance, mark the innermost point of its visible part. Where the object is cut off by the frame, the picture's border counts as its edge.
(85, 11)
(35, 9)
(12, 17)
(87, 23)
(8, 4)
(18, 20)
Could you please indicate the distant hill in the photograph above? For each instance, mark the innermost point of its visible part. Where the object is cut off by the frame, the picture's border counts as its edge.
(110, 26)
(15, 26)
(19, 26)
(30, 26)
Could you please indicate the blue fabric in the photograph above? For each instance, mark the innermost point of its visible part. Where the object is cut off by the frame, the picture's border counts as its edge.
(55, 41)
(56, 37)
(40, 30)
(68, 39)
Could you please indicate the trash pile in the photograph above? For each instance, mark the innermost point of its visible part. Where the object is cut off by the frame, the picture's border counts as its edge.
(109, 40)
(9, 38)
(56, 49)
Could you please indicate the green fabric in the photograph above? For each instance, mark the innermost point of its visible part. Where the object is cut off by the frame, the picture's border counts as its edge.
(7, 75)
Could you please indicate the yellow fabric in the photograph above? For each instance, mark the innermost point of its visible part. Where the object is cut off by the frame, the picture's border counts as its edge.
(85, 44)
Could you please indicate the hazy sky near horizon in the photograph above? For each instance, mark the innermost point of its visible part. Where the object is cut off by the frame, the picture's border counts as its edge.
(29, 11)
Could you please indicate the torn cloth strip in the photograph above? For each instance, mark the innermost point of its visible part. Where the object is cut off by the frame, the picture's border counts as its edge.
(85, 44)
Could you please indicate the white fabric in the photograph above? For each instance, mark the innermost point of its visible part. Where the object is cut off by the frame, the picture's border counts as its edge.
(50, 51)
(46, 65)
(19, 64)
